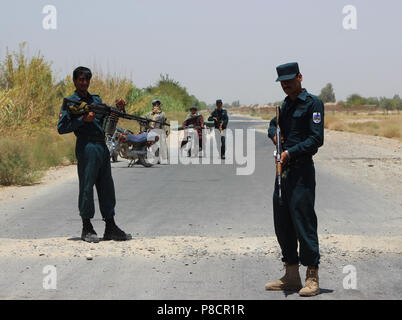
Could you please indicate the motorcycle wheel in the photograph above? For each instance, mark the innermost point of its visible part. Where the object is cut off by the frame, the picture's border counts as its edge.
(142, 160)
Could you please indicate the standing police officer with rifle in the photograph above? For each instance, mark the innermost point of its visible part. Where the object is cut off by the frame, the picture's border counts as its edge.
(93, 160)
(301, 123)
(221, 119)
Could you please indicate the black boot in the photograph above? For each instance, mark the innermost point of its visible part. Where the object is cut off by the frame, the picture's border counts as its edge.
(88, 233)
(113, 232)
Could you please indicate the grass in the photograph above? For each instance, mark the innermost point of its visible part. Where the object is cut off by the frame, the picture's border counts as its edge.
(16, 163)
(24, 159)
(389, 126)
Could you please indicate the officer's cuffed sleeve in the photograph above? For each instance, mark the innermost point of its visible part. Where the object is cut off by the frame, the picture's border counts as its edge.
(315, 138)
(67, 123)
(272, 128)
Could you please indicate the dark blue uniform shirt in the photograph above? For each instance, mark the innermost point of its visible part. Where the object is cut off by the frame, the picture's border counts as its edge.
(70, 123)
(222, 116)
(302, 124)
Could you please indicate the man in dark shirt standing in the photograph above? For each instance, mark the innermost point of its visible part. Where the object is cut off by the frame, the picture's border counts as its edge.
(221, 119)
(93, 160)
(302, 126)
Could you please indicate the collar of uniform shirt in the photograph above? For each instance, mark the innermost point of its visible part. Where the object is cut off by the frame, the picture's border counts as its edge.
(79, 98)
(302, 95)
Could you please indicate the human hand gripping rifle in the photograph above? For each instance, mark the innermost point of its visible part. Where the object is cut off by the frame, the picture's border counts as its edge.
(79, 108)
(277, 155)
(220, 124)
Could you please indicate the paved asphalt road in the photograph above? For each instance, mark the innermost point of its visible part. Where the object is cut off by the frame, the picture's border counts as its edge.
(180, 203)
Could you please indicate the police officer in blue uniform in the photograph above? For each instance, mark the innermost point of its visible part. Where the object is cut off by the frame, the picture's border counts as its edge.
(302, 126)
(221, 119)
(93, 160)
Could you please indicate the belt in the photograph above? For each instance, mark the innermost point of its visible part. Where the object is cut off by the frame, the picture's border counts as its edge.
(91, 138)
(300, 160)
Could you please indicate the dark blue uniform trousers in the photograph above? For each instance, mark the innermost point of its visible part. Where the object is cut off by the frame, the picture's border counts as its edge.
(93, 163)
(295, 220)
(223, 145)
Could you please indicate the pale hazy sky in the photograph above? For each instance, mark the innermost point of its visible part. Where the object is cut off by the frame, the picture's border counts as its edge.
(219, 48)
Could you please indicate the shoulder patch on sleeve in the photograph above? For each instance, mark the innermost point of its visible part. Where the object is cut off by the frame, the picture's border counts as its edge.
(316, 117)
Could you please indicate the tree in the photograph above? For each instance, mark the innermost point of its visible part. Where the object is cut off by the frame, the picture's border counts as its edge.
(386, 104)
(236, 103)
(355, 100)
(373, 101)
(327, 94)
(397, 102)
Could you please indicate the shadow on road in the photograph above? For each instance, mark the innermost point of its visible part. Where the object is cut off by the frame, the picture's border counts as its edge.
(322, 291)
(74, 239)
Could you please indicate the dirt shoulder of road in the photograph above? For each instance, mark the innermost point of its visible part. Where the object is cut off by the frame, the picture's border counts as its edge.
(191, 248)
(52, 177)
(364, 159)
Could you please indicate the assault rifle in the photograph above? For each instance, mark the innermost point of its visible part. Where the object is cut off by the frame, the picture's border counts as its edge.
(278, 153)
(79, 108)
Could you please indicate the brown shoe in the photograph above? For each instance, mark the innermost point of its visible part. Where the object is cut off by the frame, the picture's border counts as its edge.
(311, 287)
(289, 282)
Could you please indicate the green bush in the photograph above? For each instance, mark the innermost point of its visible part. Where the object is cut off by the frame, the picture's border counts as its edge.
(355, 100)
(23, 160)
(16, 164)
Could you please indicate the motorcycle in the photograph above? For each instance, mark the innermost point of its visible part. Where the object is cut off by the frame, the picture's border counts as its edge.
(114, 135)
(135, 148)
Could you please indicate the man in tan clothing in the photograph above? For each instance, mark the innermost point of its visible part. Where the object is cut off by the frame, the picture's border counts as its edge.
(160, 149)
